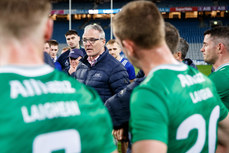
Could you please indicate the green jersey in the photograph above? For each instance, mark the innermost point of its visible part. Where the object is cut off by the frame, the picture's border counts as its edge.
(45, 111)
(221, 79)
(178, 106)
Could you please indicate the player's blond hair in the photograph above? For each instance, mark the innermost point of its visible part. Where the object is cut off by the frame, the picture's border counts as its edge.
(141, 22)
(21, 18)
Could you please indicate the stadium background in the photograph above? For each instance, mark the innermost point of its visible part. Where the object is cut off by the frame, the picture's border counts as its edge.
(190, 17)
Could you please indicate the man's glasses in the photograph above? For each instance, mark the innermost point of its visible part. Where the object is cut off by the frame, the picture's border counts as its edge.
(91, 40)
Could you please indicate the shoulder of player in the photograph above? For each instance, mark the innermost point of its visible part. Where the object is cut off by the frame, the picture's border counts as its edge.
(151, 83)
(221, 73)
(63, 55)
(219, 79)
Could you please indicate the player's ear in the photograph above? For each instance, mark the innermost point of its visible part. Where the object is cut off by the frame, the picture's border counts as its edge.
(129, 46)
(179, 54)
(221, 48)
(48, 29)
(104, 41)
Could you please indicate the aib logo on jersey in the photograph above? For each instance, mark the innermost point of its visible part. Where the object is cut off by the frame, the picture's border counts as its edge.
(29, 88)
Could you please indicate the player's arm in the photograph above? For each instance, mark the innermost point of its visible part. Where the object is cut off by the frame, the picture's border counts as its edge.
(223, 134)
(115, 151)
(149, 146)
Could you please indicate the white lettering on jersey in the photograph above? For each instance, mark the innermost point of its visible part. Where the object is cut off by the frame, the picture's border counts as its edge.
(17, 89)
(28, 88)
(50, 111)
(124, 62)
(187, 80)
(200, 95)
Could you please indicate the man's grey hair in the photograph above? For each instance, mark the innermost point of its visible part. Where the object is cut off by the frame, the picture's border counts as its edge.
(172, 36)
(183, 47)
(97, 27)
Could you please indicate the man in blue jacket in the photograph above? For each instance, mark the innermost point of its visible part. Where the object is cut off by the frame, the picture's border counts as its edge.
(98, 68)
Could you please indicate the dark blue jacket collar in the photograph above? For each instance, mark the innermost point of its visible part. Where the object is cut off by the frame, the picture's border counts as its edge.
(101, 57)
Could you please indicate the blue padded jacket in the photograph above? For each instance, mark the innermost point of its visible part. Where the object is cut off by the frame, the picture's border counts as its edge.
(107, 76)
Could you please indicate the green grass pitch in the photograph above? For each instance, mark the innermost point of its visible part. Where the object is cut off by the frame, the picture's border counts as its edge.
(205, 69)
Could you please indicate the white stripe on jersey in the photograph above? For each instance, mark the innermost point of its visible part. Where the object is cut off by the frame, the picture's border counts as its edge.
(175, 67)
(221, 66)
(29, 71)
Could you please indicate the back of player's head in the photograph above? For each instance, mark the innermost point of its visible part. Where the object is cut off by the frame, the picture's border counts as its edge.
(183, 47)
(171, 36)
(219, 34)
(71, 32)
(96, 27)
(141, 22)
(21, 18)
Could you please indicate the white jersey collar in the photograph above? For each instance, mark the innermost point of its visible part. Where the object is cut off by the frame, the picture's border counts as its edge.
(29, 71)
(175, 67)
(221, 66)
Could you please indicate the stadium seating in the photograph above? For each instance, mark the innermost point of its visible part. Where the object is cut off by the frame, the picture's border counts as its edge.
(78, 5)
(119, 4)
(180, 3)
(190, 29)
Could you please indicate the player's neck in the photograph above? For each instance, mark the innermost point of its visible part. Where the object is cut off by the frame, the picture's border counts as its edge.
(18, 53)
(221, 61)
(118, 58)
(155, 57)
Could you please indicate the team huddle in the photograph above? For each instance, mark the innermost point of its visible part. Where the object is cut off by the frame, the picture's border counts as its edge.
(172, 107)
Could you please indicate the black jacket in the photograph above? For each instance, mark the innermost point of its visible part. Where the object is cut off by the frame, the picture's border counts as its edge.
(118, 105)
(189, 62)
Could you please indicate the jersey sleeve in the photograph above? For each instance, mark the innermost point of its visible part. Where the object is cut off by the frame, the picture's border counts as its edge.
(217, 84)
(223, 106)
(105, 125)
(221, 86)
(149, 115)
(108, 138)
(223, 111)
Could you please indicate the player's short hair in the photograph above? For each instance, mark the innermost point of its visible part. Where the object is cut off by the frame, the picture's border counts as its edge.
(47, 42)
(141, 22)
(219, 34)
(183, 47)
(111, 42)
(172, 36)
(53, 43)
(96, 27)
(71, 32)
(20, 18)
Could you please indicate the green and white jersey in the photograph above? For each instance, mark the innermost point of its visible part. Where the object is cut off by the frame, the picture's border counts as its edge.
(45, 111)
(221, 79)
(179, 106)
